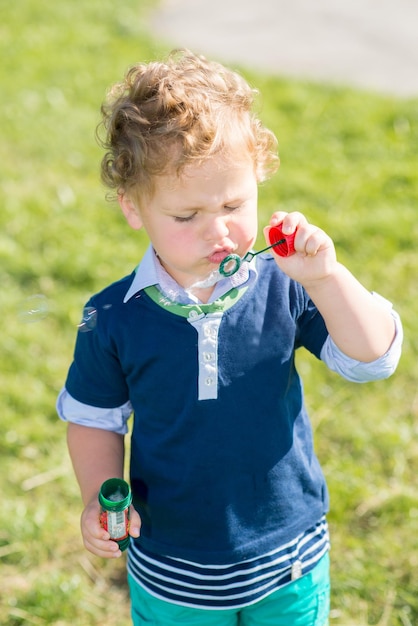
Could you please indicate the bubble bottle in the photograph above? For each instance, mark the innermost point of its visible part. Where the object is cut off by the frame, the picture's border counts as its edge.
(115, 498)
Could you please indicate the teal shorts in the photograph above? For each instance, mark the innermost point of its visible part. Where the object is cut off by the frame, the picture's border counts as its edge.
(303, 602)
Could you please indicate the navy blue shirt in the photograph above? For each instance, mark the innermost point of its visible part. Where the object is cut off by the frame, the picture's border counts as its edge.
(223, 479)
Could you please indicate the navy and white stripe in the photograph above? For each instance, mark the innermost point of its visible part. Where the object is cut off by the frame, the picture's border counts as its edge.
(227, 586)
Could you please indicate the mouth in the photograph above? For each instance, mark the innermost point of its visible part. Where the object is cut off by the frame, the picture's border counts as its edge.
(217, 257)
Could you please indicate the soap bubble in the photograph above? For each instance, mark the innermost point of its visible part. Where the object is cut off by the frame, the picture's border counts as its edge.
(210, 280)
(34, 309)
(89, 319)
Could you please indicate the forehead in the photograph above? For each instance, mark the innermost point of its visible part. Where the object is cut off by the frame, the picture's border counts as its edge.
(208, 184)
(216, 168)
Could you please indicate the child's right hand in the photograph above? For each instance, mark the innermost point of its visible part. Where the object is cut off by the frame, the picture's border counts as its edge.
(96, 539)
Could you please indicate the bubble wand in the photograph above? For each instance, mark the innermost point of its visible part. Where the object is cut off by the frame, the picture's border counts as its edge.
(281, 244)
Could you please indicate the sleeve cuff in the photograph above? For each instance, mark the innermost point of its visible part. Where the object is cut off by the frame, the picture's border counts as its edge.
(358, 371)
(114, 419)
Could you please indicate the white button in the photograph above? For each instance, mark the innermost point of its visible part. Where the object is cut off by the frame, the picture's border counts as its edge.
(208, 356)
(193, 314)
(209, 381)
(296, 570)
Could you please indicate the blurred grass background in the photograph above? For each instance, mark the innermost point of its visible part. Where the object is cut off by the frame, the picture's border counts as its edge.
(349, 162)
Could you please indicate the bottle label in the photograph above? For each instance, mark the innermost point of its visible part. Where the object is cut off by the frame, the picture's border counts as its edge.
(116, 523)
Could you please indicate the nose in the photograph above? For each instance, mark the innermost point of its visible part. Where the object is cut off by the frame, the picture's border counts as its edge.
(216, 229)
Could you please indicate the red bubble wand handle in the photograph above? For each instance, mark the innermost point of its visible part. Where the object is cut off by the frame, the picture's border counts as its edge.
(281, 244)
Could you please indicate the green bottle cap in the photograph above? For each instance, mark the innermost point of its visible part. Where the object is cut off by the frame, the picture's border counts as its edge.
(115, 494)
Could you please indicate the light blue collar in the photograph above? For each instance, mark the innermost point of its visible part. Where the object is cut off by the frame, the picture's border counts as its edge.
(150, 272)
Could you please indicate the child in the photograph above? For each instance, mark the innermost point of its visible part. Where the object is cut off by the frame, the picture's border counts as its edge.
(229, 501)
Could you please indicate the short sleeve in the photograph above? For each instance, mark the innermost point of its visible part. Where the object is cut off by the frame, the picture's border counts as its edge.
(96, 376)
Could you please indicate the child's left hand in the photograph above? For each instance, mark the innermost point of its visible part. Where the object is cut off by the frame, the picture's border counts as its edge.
(315, 257)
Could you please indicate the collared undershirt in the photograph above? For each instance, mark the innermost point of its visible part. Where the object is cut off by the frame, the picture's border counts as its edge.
(151, 272)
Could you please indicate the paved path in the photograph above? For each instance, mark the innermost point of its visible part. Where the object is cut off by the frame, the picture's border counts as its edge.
(365, 43)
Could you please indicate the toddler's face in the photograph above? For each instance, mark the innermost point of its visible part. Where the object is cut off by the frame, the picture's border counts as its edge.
(195, 220)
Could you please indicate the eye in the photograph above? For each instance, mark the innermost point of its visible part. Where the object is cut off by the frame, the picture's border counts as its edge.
(230, 209)
(182, 220)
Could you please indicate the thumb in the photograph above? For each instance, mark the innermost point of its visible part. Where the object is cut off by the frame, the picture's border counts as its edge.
(266, 231)
(135, 523)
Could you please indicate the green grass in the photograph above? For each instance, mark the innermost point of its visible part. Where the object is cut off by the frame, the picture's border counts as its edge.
(349, 162)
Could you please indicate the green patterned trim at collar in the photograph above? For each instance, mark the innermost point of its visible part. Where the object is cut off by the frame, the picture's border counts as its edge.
(223, 303)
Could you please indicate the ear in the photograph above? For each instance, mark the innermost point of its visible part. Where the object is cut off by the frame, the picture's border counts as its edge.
(130, 211)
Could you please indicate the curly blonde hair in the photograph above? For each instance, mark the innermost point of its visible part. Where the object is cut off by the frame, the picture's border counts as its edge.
(166, 115)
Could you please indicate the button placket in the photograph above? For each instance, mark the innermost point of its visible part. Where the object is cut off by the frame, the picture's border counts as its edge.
(207, 327)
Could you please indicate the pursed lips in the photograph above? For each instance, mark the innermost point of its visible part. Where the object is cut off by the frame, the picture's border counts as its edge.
(218, 256)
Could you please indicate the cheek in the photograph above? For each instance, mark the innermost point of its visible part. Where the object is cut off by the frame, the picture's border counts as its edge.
(177, 243)
(184, 238)
(247, 226)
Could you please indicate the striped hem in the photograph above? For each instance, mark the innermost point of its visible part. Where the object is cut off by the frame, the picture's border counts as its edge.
(230, 586)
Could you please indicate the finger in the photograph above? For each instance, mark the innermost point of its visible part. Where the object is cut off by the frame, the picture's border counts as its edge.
(292, 222)
(105, 549)
(91, 527)
(95, 537)
(310, 240)
(277, 218)
(97, 540)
